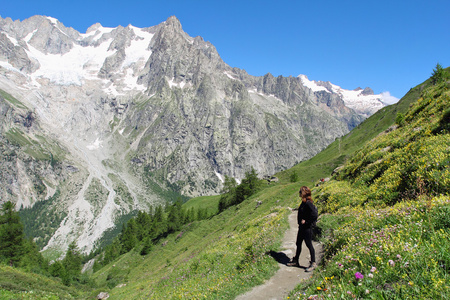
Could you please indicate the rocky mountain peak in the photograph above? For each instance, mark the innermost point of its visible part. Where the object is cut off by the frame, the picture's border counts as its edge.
(94, 27)
(174, 23)
(367, 91)
(178, 57)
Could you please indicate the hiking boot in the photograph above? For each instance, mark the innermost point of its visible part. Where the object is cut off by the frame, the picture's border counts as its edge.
(311, 267)
(293, 263)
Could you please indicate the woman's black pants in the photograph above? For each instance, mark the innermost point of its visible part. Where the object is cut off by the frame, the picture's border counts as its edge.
(305, 234)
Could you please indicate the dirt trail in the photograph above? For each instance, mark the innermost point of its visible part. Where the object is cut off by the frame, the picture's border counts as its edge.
(286, 278)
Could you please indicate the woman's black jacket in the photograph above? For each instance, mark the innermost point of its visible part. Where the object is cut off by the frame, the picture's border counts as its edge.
(308, 212)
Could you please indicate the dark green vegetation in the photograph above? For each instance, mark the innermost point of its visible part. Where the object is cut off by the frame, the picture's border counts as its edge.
(385, 221)
(23, 269)
(42, 219)
(233, 193)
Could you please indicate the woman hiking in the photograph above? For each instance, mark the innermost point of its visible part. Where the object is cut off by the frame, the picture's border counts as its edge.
(306, 218)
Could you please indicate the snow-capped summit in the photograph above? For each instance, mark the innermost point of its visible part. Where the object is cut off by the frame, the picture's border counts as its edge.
(362, 101)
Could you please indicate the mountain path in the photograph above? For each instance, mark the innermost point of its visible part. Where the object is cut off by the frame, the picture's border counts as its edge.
(286, 278)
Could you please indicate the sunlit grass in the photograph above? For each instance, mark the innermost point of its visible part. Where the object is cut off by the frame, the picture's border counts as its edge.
(386, 214)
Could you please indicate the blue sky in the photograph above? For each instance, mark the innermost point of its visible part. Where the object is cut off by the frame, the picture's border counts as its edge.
(386, 45)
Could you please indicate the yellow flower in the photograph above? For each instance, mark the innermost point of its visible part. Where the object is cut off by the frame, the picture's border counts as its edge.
(319, 288)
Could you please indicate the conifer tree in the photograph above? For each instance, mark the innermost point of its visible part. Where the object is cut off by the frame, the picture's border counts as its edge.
(11, 235)
(72, 264)
(32, 259)
(228, 193)
(128, 236)
(252, 181)
(236, 194)
(175, 216)
(56, 269)
(159, 223)
(148, 245)
(143, 224)
(248, 186)
(439, 74)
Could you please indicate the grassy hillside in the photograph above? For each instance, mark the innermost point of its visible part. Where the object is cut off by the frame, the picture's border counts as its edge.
(205, 202)
(387, 212)
(18, 284)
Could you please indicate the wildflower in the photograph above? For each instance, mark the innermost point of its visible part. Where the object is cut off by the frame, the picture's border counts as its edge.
(370, 275)
(411, 283)
(359, 276)
(367, 291)
(373, 269)
(399, 256)
(391, 263)
(319, 288)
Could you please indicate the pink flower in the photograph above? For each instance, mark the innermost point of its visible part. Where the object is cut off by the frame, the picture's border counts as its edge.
(373, 269)
(391, 263)
(359, 276)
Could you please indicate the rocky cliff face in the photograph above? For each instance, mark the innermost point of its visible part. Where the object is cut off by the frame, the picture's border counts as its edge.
(107, 122)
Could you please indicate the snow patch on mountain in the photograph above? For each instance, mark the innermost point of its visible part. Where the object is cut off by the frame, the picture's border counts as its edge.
(311, 84)
(95, 145)
(86, 58)
(81, 63)
(138, 50)
(362, 101)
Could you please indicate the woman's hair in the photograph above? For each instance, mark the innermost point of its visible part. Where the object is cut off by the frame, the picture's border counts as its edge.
(307, 193)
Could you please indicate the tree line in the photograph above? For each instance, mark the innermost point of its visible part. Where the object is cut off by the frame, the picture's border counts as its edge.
(147, 229)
